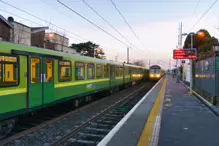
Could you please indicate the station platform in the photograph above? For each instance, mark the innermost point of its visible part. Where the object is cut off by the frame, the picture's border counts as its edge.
(166, 116)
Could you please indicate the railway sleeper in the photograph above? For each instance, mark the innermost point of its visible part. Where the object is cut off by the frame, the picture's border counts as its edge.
(89, 137)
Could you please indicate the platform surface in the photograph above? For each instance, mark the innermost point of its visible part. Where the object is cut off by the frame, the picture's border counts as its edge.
(185, 120)
(130, 131)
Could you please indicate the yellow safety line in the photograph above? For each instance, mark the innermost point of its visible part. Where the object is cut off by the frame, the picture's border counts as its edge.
(12, 91)
(148, 129)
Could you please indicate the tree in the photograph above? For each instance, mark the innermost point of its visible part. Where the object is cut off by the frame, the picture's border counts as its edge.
(203, 44)
(139, 63)
(62, 42)
(89, 49)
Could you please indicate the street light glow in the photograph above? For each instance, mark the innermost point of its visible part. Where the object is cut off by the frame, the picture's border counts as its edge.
(51, 35)
(201, 34)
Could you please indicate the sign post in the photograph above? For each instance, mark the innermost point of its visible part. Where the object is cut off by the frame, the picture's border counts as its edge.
(186, 54)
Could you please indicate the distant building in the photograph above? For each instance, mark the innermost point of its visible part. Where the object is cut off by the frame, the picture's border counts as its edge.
(38, 36)
(30, 36)
(5, 29)
(21, 33)
(58, 42)
(16, 32)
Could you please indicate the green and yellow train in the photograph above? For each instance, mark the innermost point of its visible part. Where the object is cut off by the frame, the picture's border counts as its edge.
(155, 73)
(33, 78)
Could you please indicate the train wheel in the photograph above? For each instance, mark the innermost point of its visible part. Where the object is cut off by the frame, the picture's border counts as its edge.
(111, 91)
(76, 103)
(6, 127)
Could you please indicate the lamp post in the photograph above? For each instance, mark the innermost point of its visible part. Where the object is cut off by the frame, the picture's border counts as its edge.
(190, 60)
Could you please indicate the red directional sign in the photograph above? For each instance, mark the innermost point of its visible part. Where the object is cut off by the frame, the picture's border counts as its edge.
(185, 54)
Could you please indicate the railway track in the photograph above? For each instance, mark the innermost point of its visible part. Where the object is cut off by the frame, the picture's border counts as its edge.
(71, 122)
(94, 130)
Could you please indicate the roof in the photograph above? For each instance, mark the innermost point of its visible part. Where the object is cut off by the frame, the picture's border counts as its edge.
(38, 29)
(57, 34)
(5, 21)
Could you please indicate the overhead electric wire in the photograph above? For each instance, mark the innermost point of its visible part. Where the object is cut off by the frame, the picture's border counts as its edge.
(108, 23)
(41, 19)
(92, 23)
(196, 6)
(203, 15)
(193, 13)
(127, 23)
(36, 23)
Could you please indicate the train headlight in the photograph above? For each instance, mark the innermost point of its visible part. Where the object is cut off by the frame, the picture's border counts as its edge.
(158, 75)
(133, 75)
(151, 75)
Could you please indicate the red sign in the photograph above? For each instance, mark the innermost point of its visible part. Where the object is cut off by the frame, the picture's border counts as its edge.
(185, 54)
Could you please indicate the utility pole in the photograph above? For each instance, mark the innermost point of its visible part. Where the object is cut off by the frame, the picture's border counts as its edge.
(180, 40)
(128, 55)
(179, 45)
(191, 65)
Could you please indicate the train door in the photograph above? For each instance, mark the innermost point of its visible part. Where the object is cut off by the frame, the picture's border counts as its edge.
(112, 75)
(48, 80)
(41, 81)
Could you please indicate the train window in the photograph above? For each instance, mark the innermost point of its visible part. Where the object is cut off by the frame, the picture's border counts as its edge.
(8, 71)
(119, 71)
(113, 71)
(99, 71)
(49, 70)
(126, 70)
(65, 71)
(106, 71)
(80, 70)
(91, 71)
(129, 70)
(35, 70)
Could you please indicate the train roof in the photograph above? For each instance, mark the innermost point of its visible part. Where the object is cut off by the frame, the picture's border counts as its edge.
(155, 66)
(31, 49)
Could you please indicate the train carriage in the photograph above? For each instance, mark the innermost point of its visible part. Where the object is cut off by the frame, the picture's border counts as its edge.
(33, 78)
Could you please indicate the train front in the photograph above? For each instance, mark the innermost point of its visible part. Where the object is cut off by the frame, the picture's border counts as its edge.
(155, 72)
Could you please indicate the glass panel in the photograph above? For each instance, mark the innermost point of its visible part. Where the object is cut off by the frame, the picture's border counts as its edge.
(49, 71)
(79, 71)
(8, 59)
(65, 71)
(118, 71)
(106, 71)
(91, 70)
(113, 71)
(35, 70)
(8, 74)
(99, 71)
(155, 70)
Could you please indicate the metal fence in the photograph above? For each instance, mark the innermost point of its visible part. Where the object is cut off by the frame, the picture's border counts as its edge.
(206, 76)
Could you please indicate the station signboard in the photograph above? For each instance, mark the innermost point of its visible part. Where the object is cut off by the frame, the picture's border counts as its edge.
(184, 54)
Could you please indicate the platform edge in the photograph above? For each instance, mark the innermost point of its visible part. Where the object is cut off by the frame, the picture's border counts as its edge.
(109, 136)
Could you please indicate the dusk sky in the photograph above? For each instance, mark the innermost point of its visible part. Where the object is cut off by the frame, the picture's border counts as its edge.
(154, 21)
